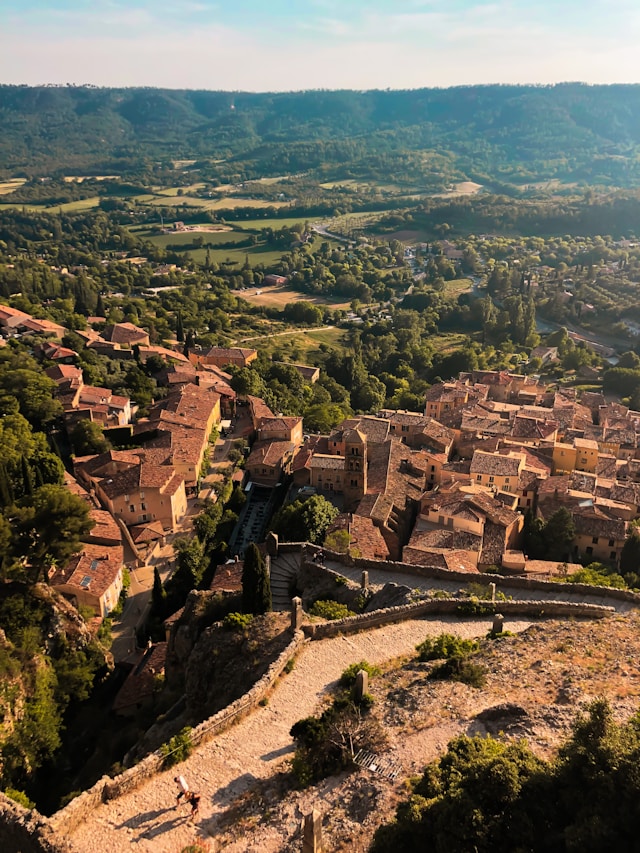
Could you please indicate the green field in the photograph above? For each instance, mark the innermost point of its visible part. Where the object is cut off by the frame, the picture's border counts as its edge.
(186, 238)
(300, 345)
(458, 286)
(256, 254)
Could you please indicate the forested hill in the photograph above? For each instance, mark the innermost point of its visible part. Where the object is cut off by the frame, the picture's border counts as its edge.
(513, 134)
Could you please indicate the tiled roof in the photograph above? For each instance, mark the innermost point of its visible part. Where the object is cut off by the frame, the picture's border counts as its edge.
(496, 464)
(125, 333)
(99, 563)
(325, 462)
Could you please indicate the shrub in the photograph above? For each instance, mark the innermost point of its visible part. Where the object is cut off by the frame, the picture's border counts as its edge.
(473, 607)
(19, 797)
(331, 610)
(460, 668)
(289, 665)
(178, 749)
(237, 621)
(445, 646)
(348, 677)
(326, 745)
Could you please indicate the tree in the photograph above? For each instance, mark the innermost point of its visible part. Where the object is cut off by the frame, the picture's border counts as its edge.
(559, 532)
(87, 438)
(305, 520)
(158, 595)
(49, 527)
(256, 586)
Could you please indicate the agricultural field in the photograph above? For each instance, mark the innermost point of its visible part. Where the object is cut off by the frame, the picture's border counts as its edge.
(11, 185)
(279, 296)
(296, 345)
(219, 203)
(458, 286)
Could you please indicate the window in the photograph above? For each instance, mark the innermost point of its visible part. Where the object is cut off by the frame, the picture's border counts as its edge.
(506, 480)
(491, 478)
(405, 428)
(589, 550)
(612, 555)
(354, 482)
(126, 498)
(355, 451)
(595, 540)
(132, 508)
(143, 506)
(611, 543)
(141, 496)
(433, 467)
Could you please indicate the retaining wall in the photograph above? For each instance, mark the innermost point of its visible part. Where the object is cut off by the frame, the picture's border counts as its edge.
(109, 789)
(450, 606)
(500, 581)
(25, 831)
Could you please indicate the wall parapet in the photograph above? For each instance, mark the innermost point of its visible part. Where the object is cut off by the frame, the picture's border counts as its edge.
(454, 606)
(501, 581)
(27, 831)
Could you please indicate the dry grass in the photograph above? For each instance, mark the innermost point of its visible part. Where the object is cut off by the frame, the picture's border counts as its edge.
(11, 185)
(279, 296)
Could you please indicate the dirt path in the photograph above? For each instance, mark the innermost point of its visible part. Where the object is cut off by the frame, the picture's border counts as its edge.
(220, 770)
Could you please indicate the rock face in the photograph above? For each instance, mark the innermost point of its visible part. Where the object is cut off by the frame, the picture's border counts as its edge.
(45, 641)
(224, 664)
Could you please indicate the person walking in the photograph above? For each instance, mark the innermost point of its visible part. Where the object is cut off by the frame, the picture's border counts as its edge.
(183, 790)
(194, 799)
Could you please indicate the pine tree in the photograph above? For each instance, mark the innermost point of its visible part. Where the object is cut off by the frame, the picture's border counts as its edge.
(179, 327)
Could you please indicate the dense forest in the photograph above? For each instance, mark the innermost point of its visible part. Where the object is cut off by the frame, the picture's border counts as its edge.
(510, 134)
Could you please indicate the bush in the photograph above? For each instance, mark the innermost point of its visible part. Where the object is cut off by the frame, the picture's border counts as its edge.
(460, 668)
(348, 677)
(445, 646)
(473, 607)
(331, 610)
(288, 667)
(237, 621)
(178, 749)
(19, 797)
(326, 745)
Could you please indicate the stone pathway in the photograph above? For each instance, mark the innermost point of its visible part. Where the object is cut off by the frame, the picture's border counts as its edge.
(561, 592)
(222, 769)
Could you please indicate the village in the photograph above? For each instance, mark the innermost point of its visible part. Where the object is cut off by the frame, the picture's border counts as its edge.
(448, 487)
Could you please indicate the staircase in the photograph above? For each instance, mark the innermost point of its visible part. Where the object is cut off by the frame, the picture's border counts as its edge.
(284, 571)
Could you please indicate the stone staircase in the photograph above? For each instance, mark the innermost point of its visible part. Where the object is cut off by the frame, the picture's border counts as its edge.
(284, 570)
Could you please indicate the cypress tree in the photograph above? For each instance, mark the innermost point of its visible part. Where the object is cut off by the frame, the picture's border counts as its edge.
(256, 586)
(27, 477)
(158, 595)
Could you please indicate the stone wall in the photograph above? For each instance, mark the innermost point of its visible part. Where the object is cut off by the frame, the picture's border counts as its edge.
(25, 831)
(108, 789)
(501, 582)
(450, 606)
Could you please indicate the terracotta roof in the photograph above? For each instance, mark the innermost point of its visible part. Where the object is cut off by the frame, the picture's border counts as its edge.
(125, 333)
(496, 464)
(228, 577)
(94, 569)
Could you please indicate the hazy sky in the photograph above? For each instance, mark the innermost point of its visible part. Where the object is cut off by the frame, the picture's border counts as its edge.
(262, 45)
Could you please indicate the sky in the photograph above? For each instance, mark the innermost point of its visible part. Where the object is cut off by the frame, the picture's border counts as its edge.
(281, 45)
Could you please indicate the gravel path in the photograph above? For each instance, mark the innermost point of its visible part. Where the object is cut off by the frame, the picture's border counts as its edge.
(221, 769)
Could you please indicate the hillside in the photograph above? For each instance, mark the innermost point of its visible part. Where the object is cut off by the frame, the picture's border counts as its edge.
(508, 134)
